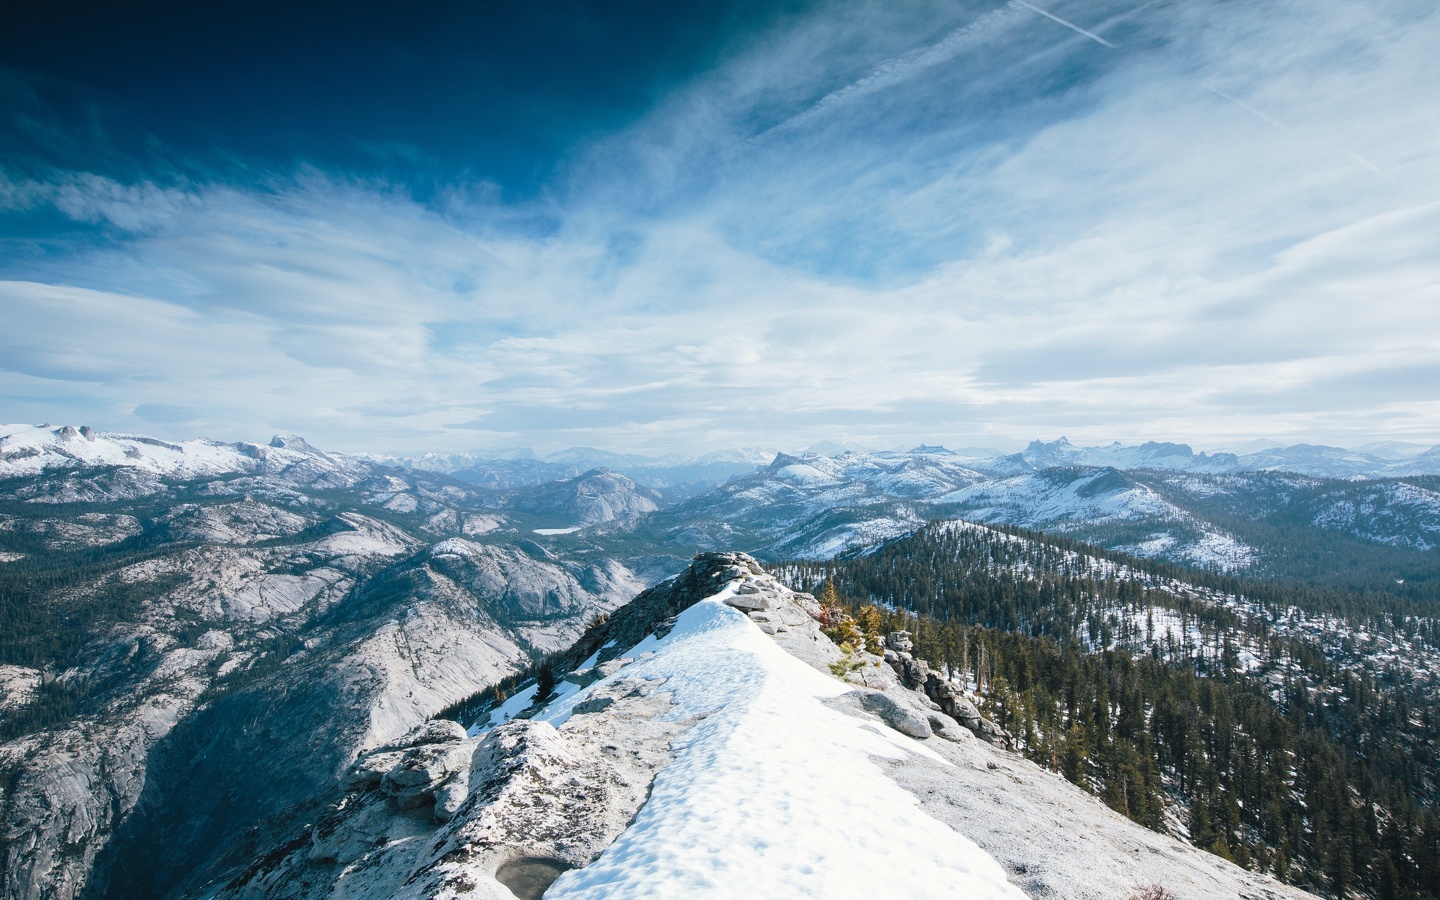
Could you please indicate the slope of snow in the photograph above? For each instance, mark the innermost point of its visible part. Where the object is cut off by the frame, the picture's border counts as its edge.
(806, 824)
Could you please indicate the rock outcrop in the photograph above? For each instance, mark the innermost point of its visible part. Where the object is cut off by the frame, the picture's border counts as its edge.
(438, 814)
(916, 674)
(595, 497)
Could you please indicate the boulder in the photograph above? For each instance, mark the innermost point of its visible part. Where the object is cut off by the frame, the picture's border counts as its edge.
(945, 727)
(901, 718)
(422, 770)
(369, 769)
(914, 672)
(436, 731)
(991, 733)
(749, 602)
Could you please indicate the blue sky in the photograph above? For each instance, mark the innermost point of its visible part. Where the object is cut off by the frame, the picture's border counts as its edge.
(657, 227)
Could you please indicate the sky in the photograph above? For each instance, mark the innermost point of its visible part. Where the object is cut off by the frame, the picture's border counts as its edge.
(658, 227)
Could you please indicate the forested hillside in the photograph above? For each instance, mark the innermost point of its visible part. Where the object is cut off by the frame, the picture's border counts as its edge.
(1291, 729)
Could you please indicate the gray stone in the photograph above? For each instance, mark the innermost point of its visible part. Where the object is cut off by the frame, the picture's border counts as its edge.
(748, 602)
(436, 731)
(610, 667)
(414, 780)
(593, 705)
(369, 769)
(947, 728)
(902, 719)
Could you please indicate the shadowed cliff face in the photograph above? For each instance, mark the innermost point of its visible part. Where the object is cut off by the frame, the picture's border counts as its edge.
(246, 767)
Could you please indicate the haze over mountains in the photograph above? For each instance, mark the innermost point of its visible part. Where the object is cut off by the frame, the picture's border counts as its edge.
(1377, 459)
(1227, 511)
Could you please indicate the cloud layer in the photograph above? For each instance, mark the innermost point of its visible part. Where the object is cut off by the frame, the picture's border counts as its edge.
(962, 224)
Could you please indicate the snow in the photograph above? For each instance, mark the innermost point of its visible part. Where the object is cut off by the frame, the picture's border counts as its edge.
(551, 531)
(749, 808)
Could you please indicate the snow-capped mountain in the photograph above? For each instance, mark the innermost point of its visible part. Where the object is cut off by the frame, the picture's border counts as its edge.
(1373, 461)
(32, 449)
(1158, 499)
(817, 506)
(1150, 455)
(674, 476)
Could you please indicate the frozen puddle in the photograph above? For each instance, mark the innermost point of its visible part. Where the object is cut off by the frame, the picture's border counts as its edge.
(529, 877)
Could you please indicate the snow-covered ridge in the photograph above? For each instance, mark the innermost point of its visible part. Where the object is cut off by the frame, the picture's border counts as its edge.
(718, 756)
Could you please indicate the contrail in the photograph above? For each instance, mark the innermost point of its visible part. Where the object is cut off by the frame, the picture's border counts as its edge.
(1070, 25)
(1271, 120)
(1247, 107)
(897, 69)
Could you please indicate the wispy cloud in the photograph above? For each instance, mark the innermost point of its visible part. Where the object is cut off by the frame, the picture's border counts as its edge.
(967, 227)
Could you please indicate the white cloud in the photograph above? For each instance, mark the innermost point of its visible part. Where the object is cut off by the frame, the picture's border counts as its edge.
(972, 227)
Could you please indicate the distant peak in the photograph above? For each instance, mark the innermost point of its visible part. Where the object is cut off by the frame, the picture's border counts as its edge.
(1166, 448)
(783, 459)
(1058, 443)
(292, 442)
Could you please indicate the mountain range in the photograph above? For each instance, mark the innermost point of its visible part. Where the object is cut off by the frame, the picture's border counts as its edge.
(201, 639)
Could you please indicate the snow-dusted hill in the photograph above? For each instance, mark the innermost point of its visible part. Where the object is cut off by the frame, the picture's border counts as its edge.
(1317, 461)
(816, 507)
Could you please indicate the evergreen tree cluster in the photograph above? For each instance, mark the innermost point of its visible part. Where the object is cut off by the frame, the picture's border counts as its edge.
(1294, 762)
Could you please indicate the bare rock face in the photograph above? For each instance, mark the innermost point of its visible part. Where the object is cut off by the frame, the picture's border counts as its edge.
(524, 587)
(452, 816)
(65, 792)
